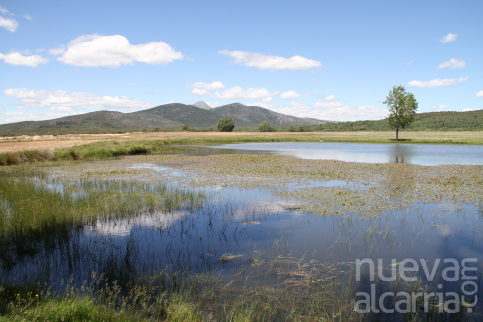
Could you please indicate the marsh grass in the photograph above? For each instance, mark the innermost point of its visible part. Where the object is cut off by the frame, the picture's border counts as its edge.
(37, 212)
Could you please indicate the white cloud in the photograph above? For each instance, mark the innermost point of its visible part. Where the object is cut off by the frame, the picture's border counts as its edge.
(114, 51)
(292, 94)
(201, 92)
(28, 17)
(449, 37)
(329, 101)
(409, 63)
(214, 85)
(61, 100)
(261, 104)
(267, 99)
(452, 64)
(213, 104)
(331, 113)
(237, 93)
(60, 109)
(262, 61)
(440, 108)
(295, 108)
(346, 113)
(3, 10)
(11, 117)
(468, 110)
(9, 24)
(479, 94)
(17, 59)
(437, 82)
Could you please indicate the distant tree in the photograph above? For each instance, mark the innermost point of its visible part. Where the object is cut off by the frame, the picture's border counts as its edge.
(292, 129)
(210, 129)
(402, 108)
(226, 124)
(186, 127)
(266, 127)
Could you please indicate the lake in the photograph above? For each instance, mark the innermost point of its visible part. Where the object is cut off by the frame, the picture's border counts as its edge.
(428, 155)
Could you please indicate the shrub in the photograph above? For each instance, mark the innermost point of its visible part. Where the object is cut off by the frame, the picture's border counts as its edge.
(186, 127)
(266, 127)
(226, 124)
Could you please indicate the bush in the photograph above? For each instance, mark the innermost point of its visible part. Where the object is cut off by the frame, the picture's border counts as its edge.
(186, 127)
(266, 127)
(226, 124)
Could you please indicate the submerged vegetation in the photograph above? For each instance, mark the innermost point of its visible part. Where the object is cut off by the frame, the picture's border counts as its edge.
(163, 236)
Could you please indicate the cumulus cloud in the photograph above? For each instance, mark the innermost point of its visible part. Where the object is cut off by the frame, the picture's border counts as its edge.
(440, 108)
(468, 110)
(292, 94)
(28, 17)
(11, 117)
(449, 37)
(333, 112)
(17, 59)
(452, 64)
(262, 61)
(8, 23)
(113, 51)
(238, 92)
(261, 104)
(437, 82)
(295, 108)
(329, 101)
(479, 94)
(61, 100)
(267, 99)
(201, 92)
(214, 85)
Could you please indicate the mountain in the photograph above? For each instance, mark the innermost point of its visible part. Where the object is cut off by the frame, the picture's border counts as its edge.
(164, 116)
(202, 105)
(185, 114)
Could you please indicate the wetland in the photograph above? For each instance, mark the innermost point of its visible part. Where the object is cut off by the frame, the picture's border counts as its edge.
(245, 232)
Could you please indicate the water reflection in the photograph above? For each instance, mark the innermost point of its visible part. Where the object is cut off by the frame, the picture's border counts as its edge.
(369, 153)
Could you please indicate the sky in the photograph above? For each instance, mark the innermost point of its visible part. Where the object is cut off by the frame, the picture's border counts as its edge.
(330, 60)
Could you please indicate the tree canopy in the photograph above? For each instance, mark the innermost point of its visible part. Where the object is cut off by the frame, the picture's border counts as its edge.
(402, 108)
(266, 127)
(226, 124)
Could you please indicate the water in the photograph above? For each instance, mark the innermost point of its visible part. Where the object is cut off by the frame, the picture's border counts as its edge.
(428, 155)
(247, 226)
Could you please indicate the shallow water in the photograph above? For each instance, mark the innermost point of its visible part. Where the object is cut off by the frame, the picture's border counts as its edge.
(428, 155)
(254, 228)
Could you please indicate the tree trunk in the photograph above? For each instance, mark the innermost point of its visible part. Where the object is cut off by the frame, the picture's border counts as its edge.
(397, 133)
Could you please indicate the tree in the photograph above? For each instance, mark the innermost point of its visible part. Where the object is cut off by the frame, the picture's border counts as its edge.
(266, 127)
(402, 108)
(226, 124)
(186, 127)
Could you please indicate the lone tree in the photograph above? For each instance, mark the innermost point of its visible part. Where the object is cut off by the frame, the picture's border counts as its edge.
(226, 124)
(402, 107)
(266, 127)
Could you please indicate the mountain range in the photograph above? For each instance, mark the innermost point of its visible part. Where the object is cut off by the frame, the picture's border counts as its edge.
(170, 115)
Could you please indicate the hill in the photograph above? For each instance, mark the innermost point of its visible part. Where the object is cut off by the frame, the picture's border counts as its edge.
(100, 119)
(171, 115)
(432, 121)
(244, 115)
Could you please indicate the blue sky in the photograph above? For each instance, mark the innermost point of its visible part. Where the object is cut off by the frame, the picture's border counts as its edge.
(333, 60)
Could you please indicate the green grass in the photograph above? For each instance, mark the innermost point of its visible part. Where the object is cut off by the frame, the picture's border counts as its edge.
(31, 212)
